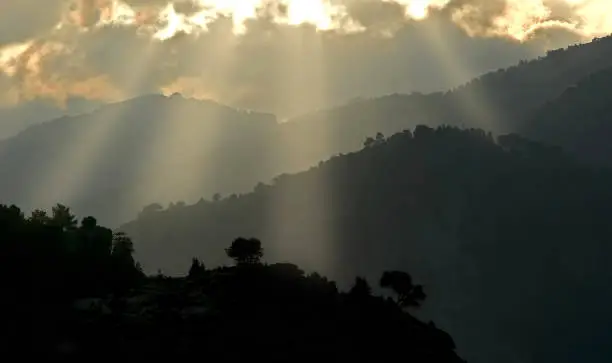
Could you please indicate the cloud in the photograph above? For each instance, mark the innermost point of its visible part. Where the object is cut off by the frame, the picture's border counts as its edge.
(26, 19)
(284, 56)
(52, 69)
(523, 19)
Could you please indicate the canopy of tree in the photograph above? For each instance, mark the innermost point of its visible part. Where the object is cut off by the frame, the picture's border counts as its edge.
(47, 261)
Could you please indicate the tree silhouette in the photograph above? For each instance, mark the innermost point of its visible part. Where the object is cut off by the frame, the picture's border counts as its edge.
(361, 288)
(95, 241)
(62, 217)
(47, 262)
(89, 223)
(245, 251)
(122, 245)
(39, 216)
(150, 210)
(379, 139)
(126, 271)
(196, 269)
(408, 294)
(423, 131)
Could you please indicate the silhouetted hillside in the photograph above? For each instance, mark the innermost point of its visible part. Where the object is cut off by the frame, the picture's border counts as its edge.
(319, 135)
(502, 101)
(511, 238)
(74, 291)
(46, 262)
(579, 120)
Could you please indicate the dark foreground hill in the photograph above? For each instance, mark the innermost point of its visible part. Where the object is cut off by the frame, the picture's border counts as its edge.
(270, 313)
(511, 237)
(73, 291)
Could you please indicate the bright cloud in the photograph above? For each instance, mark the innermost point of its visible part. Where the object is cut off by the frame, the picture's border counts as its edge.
(239, 51)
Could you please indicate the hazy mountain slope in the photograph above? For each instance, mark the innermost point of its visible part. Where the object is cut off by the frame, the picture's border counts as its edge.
(112, 162)
(510, 240)
(579, 120)
(511, 95)
(16, 118)
(319, 135)
(124, 156)
(501, 101)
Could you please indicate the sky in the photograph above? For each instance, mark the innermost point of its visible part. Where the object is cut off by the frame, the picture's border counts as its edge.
(282, 56)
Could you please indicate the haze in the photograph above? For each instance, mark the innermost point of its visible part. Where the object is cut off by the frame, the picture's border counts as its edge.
(283, 57)
(460, 144)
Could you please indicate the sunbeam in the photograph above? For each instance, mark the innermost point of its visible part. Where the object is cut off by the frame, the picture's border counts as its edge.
(177, 137)
(468, 103)
(85, 154)
(306, 87)
(57, 40)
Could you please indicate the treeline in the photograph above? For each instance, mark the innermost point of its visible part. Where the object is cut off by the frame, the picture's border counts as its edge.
(49, 260)
(73, 290)
(53, 255)
(259, 311)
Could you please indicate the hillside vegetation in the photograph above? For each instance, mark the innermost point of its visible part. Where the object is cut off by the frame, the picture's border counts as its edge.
(506, 233)
(73, 291)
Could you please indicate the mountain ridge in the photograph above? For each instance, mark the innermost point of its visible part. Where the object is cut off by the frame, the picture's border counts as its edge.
(130, 147)
(439, 202)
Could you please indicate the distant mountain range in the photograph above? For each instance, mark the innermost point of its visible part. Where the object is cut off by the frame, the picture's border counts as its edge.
(510, 236)
(16, 118)
(123, 156)
(114, 161)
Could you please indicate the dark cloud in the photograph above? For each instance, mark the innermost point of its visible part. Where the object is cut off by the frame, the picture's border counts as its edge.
(271, 66)
(24, 19)
(281, 68)
(477, 16)
(187, 7)
(376, 15)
